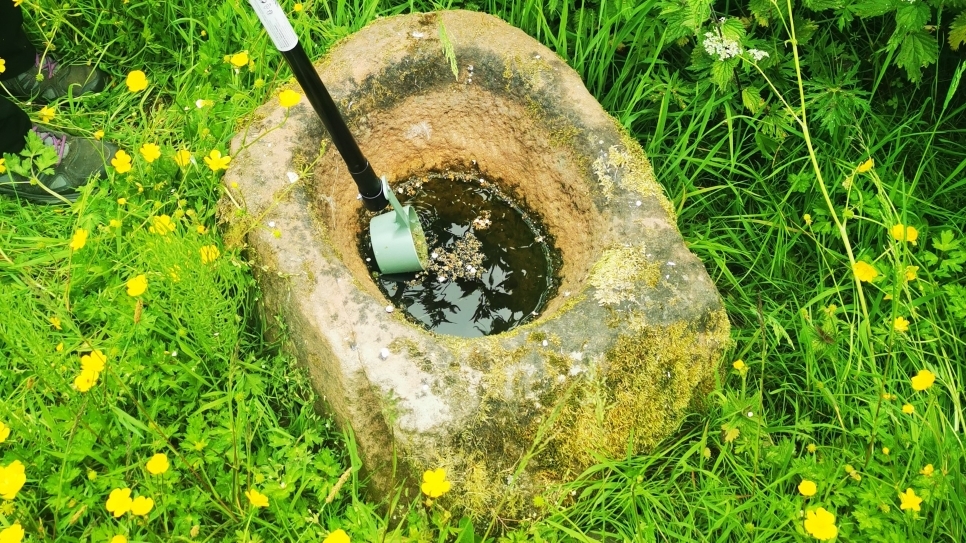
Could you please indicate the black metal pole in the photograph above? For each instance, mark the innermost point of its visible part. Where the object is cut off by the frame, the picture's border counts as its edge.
(280, 30)
(370, 186)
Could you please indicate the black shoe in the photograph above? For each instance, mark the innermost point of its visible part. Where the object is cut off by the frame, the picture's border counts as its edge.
(49, 80)
(79, 159)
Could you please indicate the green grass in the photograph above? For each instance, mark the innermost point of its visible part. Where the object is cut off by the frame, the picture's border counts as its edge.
(190, 372)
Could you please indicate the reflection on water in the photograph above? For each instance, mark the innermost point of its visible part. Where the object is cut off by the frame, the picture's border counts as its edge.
(515, 274)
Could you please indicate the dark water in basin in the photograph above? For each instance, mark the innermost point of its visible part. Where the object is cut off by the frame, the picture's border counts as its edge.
(471, 289)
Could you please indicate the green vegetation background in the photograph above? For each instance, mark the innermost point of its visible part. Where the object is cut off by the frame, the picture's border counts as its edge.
(760, 159)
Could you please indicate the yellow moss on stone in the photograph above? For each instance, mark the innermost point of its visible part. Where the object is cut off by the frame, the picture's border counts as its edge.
(645, 386)
(616, 276)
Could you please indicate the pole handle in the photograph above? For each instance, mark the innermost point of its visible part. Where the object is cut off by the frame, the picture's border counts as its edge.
(279, 29)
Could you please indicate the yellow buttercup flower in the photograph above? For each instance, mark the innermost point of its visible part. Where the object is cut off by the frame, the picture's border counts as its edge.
(55, 322)
(900, 324)
(12, 534)
(137, 285)
(904, 233)
(820, 524)
(121, 161)
(288, 98)
(807, 488)
(435, 483)
(3, 165)
(910, 273)
(162, 225)
(12, 479)
(79, 239)
(119, 539)
(141, 506)
(182, 158)
(297, 7)
(908, 409)
(216, 162)
(93, 361)
(99, 135)
(209, 253)
(4, 432)
(239, 59)
(3, 63)
(866, 166)
(927, 470)
(909, 500)
(47, 114)
(136, 81)
(739, 365)
(864, 271)
(86, 380)
(338, 536)
(811, 448)
(923, 380)
(808, 219)
(150, 152)
(256, 498)
(158, 464)
(119, 501)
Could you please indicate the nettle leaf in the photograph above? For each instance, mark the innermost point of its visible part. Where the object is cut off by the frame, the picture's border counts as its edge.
(913, 16)
(763, 10)
(732, 29)
(752, 100)
(918, 50)
(957, 31)
(722, 73)
(873, 8)
(821, 5)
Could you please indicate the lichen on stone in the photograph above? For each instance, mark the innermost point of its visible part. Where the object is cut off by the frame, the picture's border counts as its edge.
(618, 274)
(648, 380)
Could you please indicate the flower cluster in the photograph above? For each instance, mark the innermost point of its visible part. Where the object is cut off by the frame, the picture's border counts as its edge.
(91, 367)
(819, 522)
(120, 502)
(721, 47)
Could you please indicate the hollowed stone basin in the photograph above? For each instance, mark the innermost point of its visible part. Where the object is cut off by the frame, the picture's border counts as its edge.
(631, 340)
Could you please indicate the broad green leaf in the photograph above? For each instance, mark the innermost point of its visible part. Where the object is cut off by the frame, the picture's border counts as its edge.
(911, 17)
(873, 8)
(752, 100)
(918, 50)
(957, 31)
(722, 73)
(946, 241)
(732, 29)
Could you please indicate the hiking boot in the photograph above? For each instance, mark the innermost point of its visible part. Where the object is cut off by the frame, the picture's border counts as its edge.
(78, 160)
(55, 80)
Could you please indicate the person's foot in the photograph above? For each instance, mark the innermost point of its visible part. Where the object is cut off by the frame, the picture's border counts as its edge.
(49, 80)
(78, 160)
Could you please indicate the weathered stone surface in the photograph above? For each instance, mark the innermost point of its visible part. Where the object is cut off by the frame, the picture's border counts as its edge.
(633, 337)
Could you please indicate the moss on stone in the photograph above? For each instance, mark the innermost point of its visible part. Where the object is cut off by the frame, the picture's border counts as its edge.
(618, 273)
(623, 403)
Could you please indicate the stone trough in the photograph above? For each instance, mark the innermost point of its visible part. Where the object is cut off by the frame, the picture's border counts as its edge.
(631, 340)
